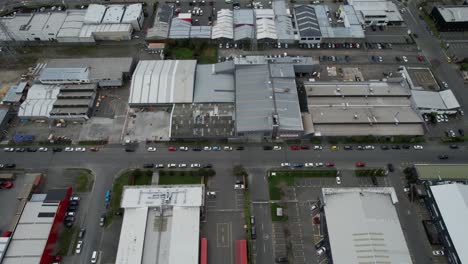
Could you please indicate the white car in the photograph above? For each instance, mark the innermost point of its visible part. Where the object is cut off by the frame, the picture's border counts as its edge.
(9, 149)
(42, 149)
(151, 149)
(438, 252)
(277, 148)
(419, 147)
(321, 251)
(78, 247)
(309, 165)
(159, 166)
(69, 149)
(183, 148)
(206, 148)
(369, 147)
(285, 164)
(171, 165)
(338, 180)
(405, 59)
(71, 214)
(182, 165)
(445, 84)
(74, 198)
(195, 165)
(80, 149)
(227, 148)
(239, 186)
(318, 147)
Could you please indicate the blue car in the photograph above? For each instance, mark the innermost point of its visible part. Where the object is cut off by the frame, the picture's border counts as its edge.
(216, 148)
(297, 165)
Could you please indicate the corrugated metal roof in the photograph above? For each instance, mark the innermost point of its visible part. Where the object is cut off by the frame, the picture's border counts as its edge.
(88, 30)
(284, 28)
(94, 14)
(71, 27)
(39, 101)
(65, 74)
(243, 32)
(364, 7)
(160, 29)
(213, 87)
(444, 100)
(306, 21)
(350, 28)
(200, 32)
(287, 103)
(266, 29)
(163, 82)
(452, 202)
(12, 96)
(372, 230)
(132, 12)
(180, 29)
(223, 28)
(244, 17)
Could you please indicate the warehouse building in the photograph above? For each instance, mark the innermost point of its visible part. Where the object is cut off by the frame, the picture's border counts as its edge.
(449, 211)
(31, 26)
(15, 94)
(175, 212)
(244, 24)
(64, 75)
(6, 114)
(33, 240)
(105, 72)
(265, 25)
(71, 27)
(283, 21)
(361, 109)
(450, 18)
(377, 12)
(372, 230)
(162, 22)
(162, 82)
(443, 102)
(214, 83)
(314, 24)
(223, 28)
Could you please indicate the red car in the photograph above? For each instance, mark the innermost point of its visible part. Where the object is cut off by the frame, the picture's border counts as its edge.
(360, 164)
(305, 147)
(172, 148)
(420, 58)
(6, 234)
(94, 149)
(316, 220)
(329, 164)
(295, 147)
(7, 185)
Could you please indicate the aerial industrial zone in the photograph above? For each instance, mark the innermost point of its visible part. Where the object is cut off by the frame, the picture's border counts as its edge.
(233, 131)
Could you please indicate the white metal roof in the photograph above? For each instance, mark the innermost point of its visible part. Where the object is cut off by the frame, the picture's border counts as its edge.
(94, 14)
(64, 74)
(88, 30)
(369, 7)
(371, 230)
(223, 27)
(458, 13)
(132, 13)
(71, 27)
(39, 101)
(185, 236)
(170, 195)
(163, 82)
(266, 29)
(452, 201)
(132, 236)
(114, 14)
(444, 100)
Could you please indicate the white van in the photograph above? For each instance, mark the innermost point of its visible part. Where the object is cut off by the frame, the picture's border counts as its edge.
(94, 257)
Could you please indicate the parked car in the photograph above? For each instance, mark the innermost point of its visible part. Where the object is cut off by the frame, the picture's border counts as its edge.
(281, 259)
(94, 257)
(295, 147)
(148, 165)
(195, 165)
(285, 164)
(274, 148)
(329, 164)
(309, 165)
(321, 251)
(69, 218)
(75, 198)
(207, 166)
(227, 148)
(69, 149)
(360, 164)
(151, 149)
(438, 252)
(443, 156)
(318, 147)
(338, 180)
(390, 167)
(453, 146)
(216, 148)
(240, 148)
(182, 165)
(197, 148)
(42, 149)
(72, 208)
(81, 233)
(78, 247)
(57, 149)
(80, 149)
(183, 148)
(384, 147)
(7, 185)
(253, 233)
(348, 147)
(30, 149)
(305, 147)
(172, 148)
(8, 149)
(418, 147)
(102, 220)
(206, 148)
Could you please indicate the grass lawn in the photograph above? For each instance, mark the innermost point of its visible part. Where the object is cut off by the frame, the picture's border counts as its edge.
(209, 55)
(276, 218)
(179, 179)
(65, 239)
(182, 53)
(81, 182)
(83, 179)
(286, 177)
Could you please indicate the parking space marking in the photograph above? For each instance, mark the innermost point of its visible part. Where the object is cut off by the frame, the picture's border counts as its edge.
(223, 235)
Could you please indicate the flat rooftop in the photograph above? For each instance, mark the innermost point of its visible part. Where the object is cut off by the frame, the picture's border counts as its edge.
(442, 172)
(457, 13)
(340, 89)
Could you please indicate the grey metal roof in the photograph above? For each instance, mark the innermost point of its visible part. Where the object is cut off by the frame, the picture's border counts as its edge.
(180, 29)
(21, 86)
(213, 87)
(371, 231)
(444, 100)
(254, 99)
(452, 202)
(350, 28)
(287, 103)
(64, 74)
(457, 13)
(3, 113)
(39, 101)
(306, 21)
(200, 32)
(67, 111)
(280, 70)
(284, 28)
(12, 96)
(243, 32)
(244, 17)
(87, 102)
(160, 29)
(224, 67)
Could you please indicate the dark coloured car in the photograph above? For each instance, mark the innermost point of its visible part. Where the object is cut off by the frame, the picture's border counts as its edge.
(20, 149)
(240, 148)
(69, 219)
(348, 147)
(9, 165)
(198, 148)
(72, 208)
(443, 157)
(406, 146)
(305, 147)
(68, 224)
(267, 147)
(56, 149)
(73, 203)
(453, 146)
(148, 165)
(281, 259)
(253, 233)
(390, 167)
(461, 132)
(31, 149)
(384, 147)
(360, 147)
(297, 165)
(396, 147)
(207, 166)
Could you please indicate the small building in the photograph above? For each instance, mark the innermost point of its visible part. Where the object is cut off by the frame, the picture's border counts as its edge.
(39, 102)
(265, 25)
(450, 18)
(65, 75)
(71, 27)
(200, 32)
(443, 102)
(377, 12)
(162, 22)
(110, 32)
(244, 24)
(162, 82)
(15, 94)
(449, 212)
(371, 231)
(283, 21)
(34, 238)
(175, 210)
(223, 28)
(180, 29)
(442, 172)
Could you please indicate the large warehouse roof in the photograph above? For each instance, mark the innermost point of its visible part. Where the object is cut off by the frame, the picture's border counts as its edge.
(457, 13)
(66, 74)
(178, 207)
(163, 82)
(94, 14)
(385, 8)
(371, 230)
(39, 101)
(213, 86)
(114, 14)
(452, 201)
(73, 23)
